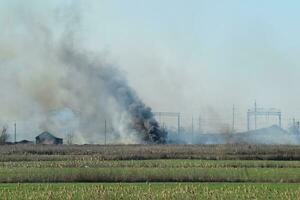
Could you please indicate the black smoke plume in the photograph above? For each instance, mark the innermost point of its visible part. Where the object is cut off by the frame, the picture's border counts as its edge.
(141, 117)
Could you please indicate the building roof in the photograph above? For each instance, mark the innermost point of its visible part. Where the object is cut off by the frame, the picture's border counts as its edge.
(46, 135)
(269, 135)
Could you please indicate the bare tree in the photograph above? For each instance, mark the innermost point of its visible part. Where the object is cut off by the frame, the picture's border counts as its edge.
(70, 138)
(4, 136)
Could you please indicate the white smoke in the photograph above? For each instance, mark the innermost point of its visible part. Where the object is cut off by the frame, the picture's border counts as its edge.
(49, 79)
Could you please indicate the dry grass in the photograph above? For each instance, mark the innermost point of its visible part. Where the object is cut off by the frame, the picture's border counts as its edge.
(92, 162)
(140, 152)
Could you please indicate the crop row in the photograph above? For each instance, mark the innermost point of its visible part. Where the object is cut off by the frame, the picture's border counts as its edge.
(149, 191)
(94, 163)
(15, 175)
(139, 152)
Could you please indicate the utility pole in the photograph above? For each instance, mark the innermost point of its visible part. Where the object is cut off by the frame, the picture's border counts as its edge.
(294, 122)
(192, 125)
(178, 123)
(233, 117)
(199, 124)
(105, 132)
(279, 117)
(255, 112)
(164, 125)
(169, 114)
(159, 118)
(15, 125)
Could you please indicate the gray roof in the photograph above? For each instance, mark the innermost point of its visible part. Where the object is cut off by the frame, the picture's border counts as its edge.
(46, 135)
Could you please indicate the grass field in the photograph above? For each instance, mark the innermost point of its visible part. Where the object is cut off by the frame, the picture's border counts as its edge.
(82, 191)
(149, 172)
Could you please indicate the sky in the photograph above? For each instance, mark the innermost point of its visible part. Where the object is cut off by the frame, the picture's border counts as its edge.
(200, 57)
(196, 57)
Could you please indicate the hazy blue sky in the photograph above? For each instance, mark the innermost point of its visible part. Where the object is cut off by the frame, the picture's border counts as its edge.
(203, 56)
(196, 56)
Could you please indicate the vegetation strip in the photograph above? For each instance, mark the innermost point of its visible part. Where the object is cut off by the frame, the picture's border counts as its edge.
(94, 163)
(82, 191)
(15, 175)
(144, 152)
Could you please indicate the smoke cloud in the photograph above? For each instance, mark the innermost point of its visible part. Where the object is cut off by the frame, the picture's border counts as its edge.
(48, 79)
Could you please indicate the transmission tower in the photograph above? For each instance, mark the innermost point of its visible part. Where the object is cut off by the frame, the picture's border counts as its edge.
(254, 112)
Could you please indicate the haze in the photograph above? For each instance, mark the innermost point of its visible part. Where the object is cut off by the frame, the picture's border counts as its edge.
(193, 57)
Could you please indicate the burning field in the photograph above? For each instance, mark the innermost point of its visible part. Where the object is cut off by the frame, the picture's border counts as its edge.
(141, 119)
(82, 77)
(58, 84)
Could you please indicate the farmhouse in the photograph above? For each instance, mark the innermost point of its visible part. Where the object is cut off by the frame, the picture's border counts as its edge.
(48, 138)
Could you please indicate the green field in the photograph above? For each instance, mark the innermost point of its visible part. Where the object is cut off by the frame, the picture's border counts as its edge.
(149, 172)
(117, 191)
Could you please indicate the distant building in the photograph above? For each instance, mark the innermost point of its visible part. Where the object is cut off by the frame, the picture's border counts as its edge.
(24, 142)
(48, 138)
